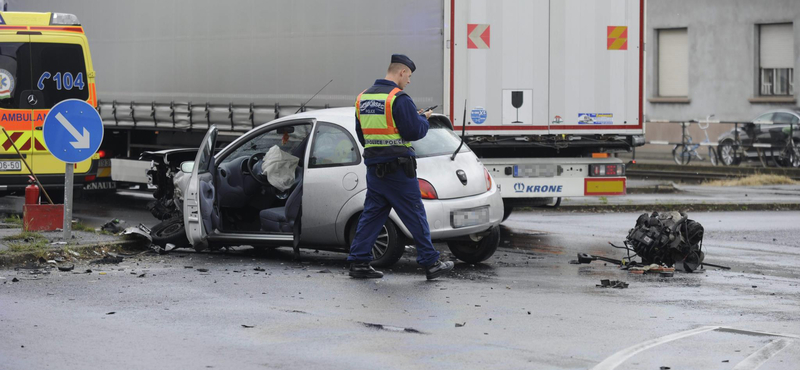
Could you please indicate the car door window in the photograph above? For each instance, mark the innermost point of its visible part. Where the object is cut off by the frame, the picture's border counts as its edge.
(784, 118)
(333, 146)
(290, 139)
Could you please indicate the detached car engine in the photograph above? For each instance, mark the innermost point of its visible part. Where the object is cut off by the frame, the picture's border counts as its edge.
(670, 239)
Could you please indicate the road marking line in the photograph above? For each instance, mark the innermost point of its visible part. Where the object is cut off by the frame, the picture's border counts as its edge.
(618, 358)
(763, 355)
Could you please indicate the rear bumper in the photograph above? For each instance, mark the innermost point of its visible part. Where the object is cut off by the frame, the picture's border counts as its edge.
(439, 211)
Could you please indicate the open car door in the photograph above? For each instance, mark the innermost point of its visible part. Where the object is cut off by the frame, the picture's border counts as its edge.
(198, 205)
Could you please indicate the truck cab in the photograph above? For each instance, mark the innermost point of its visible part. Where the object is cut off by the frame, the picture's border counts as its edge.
(44, 59)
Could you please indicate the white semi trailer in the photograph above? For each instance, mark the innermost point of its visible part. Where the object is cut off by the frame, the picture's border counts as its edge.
(550, 89)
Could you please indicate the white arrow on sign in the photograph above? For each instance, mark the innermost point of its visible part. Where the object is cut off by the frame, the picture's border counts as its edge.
(83, 140)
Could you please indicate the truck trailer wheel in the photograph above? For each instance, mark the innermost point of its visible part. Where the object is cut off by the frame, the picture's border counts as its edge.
(170, 231)
(476, 252)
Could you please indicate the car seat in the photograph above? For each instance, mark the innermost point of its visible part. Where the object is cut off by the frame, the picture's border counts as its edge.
(282, 219)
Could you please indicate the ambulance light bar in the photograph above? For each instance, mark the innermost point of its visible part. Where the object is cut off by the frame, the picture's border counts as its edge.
(64, 19)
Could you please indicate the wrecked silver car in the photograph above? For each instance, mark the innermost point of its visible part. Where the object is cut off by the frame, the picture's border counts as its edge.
(300, 181)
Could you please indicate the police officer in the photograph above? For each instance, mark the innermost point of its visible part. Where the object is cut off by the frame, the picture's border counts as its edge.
(386, 122)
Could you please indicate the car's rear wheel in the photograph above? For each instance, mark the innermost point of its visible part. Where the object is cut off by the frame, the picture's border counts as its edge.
(476, 252)
(172, 231)
(388, 247)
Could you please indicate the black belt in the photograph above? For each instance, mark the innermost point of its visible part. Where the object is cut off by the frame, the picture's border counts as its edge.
(407, 164)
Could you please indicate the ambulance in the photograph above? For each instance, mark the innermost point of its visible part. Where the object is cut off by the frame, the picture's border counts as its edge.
(44, 59)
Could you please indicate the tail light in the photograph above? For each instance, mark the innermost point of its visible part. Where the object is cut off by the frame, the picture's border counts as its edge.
(101, 153)
(89, 178)
(607, 170)
(488, 178)
(426, 190)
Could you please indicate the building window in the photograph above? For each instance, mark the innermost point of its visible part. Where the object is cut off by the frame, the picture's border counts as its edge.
(776, 59)
(673, 62)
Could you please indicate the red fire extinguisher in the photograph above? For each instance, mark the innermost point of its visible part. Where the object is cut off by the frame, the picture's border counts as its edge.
(31, 192)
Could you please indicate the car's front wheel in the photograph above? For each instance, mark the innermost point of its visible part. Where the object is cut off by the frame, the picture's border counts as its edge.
(388, 247)
(475, 252)
(172, 231)
(727, 153)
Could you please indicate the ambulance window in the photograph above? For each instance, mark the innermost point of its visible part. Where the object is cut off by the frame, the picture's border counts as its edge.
(59, 71)
(15, 72)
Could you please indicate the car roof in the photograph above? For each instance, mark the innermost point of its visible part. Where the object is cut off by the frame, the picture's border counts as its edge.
(335, 115)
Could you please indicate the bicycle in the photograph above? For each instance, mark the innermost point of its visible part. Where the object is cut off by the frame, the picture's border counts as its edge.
(684, 152)
(787, 152)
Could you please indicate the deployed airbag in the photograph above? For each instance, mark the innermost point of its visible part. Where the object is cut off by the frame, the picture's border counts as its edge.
(279, 167)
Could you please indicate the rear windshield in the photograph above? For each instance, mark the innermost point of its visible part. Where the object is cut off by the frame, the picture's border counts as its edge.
(438, 141)
(55, 72)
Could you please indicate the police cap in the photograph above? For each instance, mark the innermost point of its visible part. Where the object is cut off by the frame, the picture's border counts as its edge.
(402, 59)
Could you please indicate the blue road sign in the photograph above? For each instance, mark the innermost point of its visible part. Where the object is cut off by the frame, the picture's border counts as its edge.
(73, 131)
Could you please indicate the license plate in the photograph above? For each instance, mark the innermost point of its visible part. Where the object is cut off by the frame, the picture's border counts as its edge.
(469, 217)
(535, 170)
(100, 185)
(10, 166)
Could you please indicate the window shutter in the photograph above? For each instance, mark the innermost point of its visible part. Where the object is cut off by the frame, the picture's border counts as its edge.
(777, 46)
(673, 62)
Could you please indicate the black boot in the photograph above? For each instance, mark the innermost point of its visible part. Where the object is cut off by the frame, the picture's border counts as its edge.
(438, 269)
(362, 270)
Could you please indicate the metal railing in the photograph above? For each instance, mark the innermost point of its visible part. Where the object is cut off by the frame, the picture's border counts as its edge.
(739, 148)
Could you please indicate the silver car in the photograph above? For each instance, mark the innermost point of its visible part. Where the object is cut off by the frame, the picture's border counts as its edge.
(231, 201)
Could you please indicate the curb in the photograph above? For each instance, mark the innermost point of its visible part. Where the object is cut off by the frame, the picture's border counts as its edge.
(11, 259)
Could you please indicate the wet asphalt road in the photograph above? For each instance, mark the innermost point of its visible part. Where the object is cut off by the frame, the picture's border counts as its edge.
(527, 307)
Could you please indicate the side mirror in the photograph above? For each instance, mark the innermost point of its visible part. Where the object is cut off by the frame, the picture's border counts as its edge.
(187, 166)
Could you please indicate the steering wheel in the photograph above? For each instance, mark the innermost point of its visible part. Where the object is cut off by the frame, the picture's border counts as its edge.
(255, 172)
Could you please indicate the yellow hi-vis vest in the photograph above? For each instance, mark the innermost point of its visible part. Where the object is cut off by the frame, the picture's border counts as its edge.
(374, 111)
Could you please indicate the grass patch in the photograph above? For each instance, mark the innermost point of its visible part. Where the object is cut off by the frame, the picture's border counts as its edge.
(81, 227)
(26, 235)
(753, 180)
(14, 220)
(38, 245)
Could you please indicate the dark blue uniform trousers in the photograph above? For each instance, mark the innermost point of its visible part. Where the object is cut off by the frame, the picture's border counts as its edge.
(398, 191)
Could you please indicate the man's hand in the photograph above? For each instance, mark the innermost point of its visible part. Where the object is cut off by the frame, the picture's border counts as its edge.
(427, 113)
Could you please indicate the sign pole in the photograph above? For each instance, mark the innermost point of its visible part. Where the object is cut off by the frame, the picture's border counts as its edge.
(68, 180)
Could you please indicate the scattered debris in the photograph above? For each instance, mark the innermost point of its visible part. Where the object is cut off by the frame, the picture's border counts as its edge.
(162, 250)
(261, 269)
(88, 271)
(108, 260)
(110, 313)
(325, 271)
(605, 283)
(141, 276)
(459, 325)
(14, 280)
(248, 326)
(140, 231)
(392, 328)
(66, 268)
(202, 270)
(58, 243)
(114, 226)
